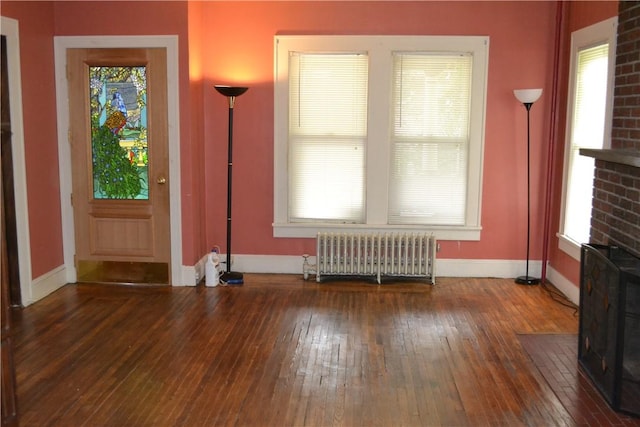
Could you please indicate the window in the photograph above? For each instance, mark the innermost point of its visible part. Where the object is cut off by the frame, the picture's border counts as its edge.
(327, 136)
(430, 137)
(588, 126)
(379, 133)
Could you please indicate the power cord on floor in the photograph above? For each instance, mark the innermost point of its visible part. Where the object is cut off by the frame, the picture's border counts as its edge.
(559, 297)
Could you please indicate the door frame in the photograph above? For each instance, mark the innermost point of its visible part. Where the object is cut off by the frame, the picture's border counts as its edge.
(10, 29)
(61, 44)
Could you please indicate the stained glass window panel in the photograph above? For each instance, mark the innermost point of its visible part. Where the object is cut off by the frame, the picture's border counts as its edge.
(118, 98)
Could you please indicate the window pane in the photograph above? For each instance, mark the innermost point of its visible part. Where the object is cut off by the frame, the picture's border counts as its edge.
(119, 132)
(432, 102)
(591, 96)
(327, 136)
(587, 131)
(327, 180)
(579, 198)
(328, 94)
(430, 184)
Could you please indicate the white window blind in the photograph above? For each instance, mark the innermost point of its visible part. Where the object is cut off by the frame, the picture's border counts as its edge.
(327, 136)
(431, 113)
(587, 131)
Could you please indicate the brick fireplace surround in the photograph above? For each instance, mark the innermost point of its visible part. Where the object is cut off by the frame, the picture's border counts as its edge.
(615, 217)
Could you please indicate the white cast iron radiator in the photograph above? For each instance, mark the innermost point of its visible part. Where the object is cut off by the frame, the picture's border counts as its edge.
(376, 254)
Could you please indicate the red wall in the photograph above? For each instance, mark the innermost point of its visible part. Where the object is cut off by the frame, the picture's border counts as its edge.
(214, 48)
(148, 18)
(36, 32)
(193, 180)
(579, 15)
(521, 56)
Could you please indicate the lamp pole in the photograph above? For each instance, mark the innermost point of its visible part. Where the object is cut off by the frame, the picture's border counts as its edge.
(528, 97)
(231, 92)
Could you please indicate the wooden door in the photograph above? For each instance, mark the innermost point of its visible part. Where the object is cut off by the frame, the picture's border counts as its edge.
(8, 387)
(7, 188)
(120, 166)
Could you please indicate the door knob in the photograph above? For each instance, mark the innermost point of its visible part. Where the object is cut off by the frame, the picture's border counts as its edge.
(161, 180)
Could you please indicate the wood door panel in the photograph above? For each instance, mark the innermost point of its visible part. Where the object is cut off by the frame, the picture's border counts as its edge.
(120, 56)
(113, 236)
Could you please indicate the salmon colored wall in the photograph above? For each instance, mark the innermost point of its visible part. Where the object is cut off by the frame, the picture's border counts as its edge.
(36, 32)
(240, 51)
(196, 95)
(580, 14)
(148, 18)
(216, 49)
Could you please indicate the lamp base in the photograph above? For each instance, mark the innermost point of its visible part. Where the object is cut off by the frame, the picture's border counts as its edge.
(527, 280)
(232, 278)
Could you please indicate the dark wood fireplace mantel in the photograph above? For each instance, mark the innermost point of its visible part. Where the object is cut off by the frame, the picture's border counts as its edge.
(624, 157)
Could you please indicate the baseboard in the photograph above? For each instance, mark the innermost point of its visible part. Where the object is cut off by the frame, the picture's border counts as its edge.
(564, 285)
(46, 284)
(287, 264)
(199, 269)
(292, 264)
(485, 268)
(267, 264)
(189, 276)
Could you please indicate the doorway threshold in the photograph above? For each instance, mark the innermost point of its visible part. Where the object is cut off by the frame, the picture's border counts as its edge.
(123, 272)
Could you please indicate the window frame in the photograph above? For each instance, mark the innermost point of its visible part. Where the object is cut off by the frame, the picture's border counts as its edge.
(585, 38)
(378, 151)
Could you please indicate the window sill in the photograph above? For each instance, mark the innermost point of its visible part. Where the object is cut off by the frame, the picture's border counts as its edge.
(311, 230)
(569, 246)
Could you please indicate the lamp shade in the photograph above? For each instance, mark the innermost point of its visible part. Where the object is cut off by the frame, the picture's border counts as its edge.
(231, 90)
(527, 96)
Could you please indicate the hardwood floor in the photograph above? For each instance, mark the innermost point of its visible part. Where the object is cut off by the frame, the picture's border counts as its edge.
(555, 356)
(280, 351)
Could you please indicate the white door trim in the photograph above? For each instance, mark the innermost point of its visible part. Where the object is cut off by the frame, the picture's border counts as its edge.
(61, 44)
(11, 30)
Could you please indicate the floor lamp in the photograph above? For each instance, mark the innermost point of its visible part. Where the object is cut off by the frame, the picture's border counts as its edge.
(230, 277)
(528, 97)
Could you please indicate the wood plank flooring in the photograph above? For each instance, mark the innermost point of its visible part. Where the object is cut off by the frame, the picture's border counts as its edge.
(280, 351)
(556, 357)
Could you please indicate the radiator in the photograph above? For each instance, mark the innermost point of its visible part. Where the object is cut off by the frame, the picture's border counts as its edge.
(378, 255)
